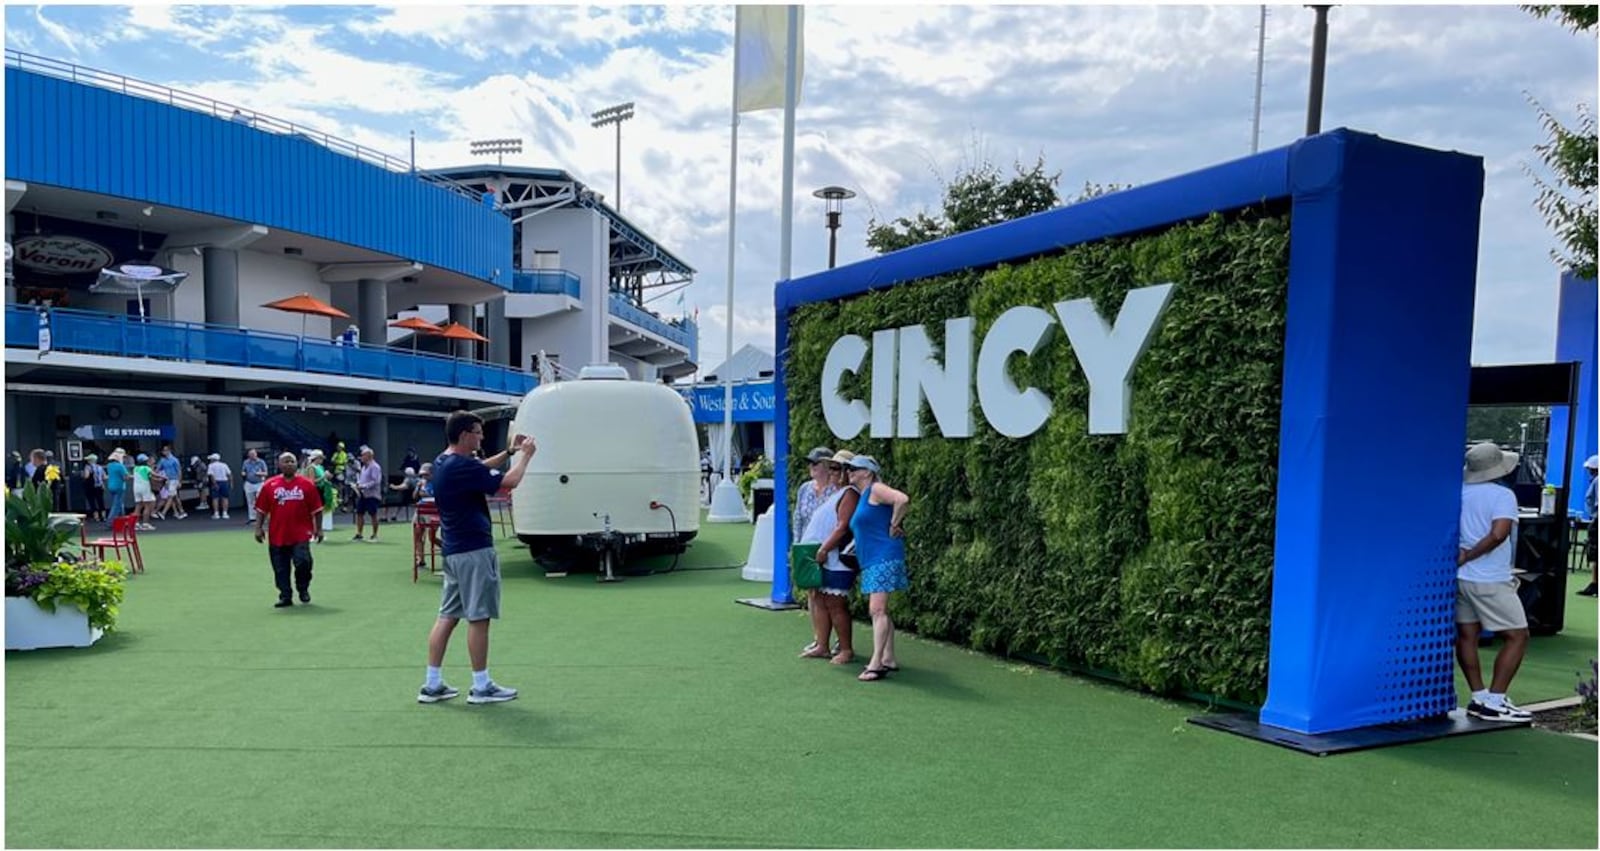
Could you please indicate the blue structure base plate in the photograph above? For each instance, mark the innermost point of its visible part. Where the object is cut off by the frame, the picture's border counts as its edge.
(1456, 723)
(767, 603)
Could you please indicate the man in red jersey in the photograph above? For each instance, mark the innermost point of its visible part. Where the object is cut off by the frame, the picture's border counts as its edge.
(294, 506)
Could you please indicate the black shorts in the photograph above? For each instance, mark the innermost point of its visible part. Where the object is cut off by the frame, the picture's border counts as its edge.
(367, 505)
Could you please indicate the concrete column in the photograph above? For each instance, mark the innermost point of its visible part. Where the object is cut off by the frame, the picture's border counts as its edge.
(498, 329)
(221, 269)
(372, 313)
(462, 313)
(13, 434)
(346, 297)
(375, 433)
(225, 435)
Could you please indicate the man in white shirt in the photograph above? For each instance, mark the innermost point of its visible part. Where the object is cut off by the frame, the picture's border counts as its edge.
(369, 493)
(1486, 595)
(221, 486)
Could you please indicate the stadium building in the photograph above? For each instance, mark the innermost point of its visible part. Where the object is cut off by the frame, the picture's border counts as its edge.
(115, 184)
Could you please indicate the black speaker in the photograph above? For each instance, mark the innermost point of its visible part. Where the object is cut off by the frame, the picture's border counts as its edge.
(1541, 565)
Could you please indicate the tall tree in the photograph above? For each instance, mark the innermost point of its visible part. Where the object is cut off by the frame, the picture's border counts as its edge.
(1567, 202)
(978, 197)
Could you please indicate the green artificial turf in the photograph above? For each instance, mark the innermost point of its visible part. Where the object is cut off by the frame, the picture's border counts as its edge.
(656, 712)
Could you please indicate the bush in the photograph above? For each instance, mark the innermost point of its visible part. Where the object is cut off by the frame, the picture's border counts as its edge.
(1147, 555)
(41, 568)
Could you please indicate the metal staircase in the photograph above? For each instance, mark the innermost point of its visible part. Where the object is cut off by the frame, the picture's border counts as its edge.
(281, 431)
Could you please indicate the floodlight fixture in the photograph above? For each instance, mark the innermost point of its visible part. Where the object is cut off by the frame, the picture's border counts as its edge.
(615, 115)
(498, 147)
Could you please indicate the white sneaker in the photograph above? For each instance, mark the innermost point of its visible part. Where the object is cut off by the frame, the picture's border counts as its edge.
(225, 516)
(216, 517)
(492, 693)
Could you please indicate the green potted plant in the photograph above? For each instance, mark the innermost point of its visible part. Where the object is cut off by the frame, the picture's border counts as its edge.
(54, 598)
(761, 469)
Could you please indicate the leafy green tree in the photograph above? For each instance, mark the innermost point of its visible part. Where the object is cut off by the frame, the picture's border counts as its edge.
(1568, 203)
(978, 197)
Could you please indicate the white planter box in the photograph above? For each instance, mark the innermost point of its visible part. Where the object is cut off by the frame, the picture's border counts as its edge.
(29, 627)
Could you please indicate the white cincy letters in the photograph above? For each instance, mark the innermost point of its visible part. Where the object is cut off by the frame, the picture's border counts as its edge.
(948, 389)
(844, 418)
(1013, 412)
(1106, 352)
(883, 346)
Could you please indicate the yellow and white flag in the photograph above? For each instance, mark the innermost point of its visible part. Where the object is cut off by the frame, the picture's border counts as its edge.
(761, 35)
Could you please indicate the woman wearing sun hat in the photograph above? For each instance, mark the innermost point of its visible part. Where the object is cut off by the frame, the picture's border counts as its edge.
(810, 496)
(829, 529)
(882, 553)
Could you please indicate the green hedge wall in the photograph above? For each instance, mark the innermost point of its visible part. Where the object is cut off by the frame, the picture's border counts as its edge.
(1146, 555)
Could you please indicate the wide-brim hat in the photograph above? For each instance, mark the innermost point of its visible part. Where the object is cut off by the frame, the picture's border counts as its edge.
(1593, 463)
(1487, 462)
(821, 453)
(843, 456)
(864, 462)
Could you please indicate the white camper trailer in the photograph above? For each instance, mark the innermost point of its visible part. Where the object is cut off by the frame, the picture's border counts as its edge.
(617, 473)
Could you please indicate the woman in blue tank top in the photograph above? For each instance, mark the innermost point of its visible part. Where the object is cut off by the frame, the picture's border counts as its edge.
(882, 553)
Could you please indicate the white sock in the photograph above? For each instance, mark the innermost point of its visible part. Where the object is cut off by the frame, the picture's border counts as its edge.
(1495, 701)
(434, 678)
(480, 679)
(1481, 696)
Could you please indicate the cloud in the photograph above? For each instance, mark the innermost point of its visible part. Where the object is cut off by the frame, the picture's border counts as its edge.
(895, 99)
(75, 43)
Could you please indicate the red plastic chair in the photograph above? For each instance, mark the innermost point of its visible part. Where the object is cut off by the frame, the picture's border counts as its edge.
(425, 543)
(124, 538)
(500, 505)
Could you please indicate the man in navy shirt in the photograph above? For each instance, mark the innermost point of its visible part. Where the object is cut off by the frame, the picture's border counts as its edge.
(461, 488)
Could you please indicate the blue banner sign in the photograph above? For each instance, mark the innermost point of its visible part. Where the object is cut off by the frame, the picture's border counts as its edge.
(753, 402)
(125, 432)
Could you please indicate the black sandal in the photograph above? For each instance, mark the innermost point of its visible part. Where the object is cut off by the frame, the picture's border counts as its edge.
(872, 675)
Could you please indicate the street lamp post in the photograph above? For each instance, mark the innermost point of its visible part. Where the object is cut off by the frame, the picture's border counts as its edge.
(833, 198)
(615, 115)
(1319, 62)
(498, 147)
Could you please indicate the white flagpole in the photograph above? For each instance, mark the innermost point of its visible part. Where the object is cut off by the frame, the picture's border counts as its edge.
(733, 209)
(790, 85)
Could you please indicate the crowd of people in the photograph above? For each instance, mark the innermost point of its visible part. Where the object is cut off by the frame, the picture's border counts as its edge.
(151, 489)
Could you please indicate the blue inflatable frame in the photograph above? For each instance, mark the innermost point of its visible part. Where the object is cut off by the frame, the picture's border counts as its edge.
(1383, 259)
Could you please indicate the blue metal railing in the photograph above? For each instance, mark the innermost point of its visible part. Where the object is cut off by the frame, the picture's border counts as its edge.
(683, 332)
(124, 336)
(545, 282)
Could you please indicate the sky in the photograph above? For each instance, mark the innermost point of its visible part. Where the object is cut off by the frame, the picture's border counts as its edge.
(895, 101)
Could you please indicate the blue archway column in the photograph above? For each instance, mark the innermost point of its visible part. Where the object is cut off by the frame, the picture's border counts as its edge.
(1575, 341)
(1382, 268)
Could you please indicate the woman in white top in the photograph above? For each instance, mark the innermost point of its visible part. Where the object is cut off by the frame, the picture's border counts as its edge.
(807, 498)
(829, 528)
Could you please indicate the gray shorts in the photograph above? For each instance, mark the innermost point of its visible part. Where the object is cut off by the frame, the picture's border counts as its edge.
(1493, 604)
(471, 586)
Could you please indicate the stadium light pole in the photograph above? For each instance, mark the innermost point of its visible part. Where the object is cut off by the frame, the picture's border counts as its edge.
(833, 198)
(498, 147)
(615, 115)
(1319, 62)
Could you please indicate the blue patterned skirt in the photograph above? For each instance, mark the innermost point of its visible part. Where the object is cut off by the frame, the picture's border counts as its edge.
(883, 577)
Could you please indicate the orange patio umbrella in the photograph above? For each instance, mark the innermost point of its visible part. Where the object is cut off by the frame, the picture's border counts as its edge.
(417, 324)
(457, 331)
(306, 305)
